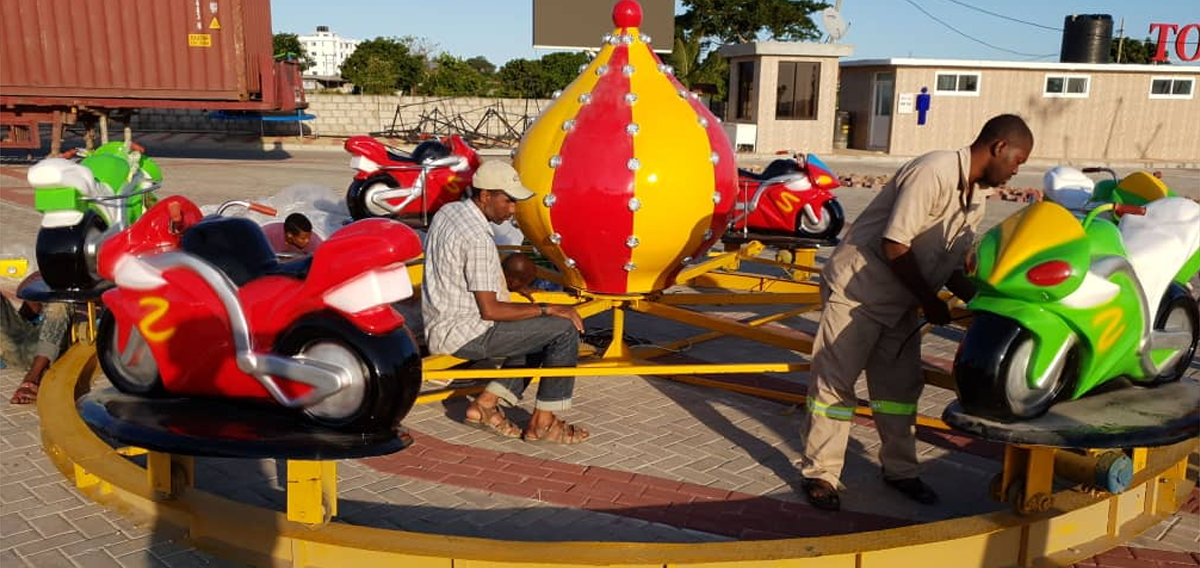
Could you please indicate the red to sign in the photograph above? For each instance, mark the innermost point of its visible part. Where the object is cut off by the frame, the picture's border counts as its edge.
(1181, 41)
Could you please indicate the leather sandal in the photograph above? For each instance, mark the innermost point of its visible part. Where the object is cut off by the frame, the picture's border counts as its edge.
(821, 494)
(492, 419)
(558, 432)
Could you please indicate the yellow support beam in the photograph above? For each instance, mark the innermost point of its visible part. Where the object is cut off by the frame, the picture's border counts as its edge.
(311, 491)
(730, 327)
(603, 368)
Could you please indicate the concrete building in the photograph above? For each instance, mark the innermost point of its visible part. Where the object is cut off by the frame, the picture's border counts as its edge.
(782, 95)
(788, 96)
(328, 50)
(1077, 111)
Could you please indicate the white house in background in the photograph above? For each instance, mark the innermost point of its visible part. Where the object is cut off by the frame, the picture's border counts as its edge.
(328, 50)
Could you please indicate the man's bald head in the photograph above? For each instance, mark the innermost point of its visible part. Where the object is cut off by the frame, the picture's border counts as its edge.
(519, 271)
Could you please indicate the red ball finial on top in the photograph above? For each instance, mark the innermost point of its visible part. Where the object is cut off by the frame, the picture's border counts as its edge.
(627, 14)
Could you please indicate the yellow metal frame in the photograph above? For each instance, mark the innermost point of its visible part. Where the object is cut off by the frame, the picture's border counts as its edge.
(1080, 525)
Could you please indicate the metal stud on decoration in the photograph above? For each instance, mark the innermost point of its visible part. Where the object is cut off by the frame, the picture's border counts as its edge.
(629, 267)
(556, 94)
(585, 98)
(683, 94)
(512, 153)
(703, 122)
(687, 259)
(570, 262)
(664, 68)
(555, 238)
(608, 38)
(645, 38)
(568, 124)
(633, 164)
(630, 98)
(634, 204)
(549, 200)
(632, 241)
(631, 129)
(602, 70)
(555, 161)
(582, 68)
(715, 158)
(708, 234)
(716, 197)
(628, 70)
(626, 39)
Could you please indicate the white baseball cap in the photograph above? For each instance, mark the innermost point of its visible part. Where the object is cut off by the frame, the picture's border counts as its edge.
(495, 175)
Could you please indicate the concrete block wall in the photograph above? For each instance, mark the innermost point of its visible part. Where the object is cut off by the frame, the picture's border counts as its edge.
(348, 115)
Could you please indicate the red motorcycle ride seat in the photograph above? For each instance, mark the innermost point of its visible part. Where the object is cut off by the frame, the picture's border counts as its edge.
(234, 245)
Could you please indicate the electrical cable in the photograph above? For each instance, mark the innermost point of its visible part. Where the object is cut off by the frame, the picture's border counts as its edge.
(974, 39)
(1002, 16)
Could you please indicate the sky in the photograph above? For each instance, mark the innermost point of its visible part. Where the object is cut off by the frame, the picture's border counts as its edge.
(501, 30)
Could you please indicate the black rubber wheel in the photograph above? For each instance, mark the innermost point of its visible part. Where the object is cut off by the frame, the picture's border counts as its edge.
(832, 220)
(1178, 312)
(387, 371)
(63, 256)
(356, 196)
(990, 371)
(132, 371)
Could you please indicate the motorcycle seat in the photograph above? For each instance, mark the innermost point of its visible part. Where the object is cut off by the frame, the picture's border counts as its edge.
(60, 172)
(234, 245)
(1161, 241)
(777, 168)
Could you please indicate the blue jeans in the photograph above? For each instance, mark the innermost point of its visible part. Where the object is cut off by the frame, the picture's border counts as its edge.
(545, 342)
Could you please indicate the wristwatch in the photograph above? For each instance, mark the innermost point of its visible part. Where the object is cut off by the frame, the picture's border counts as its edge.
(542, 306)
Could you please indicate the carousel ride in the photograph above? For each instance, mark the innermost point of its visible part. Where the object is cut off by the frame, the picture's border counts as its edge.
(635, 183)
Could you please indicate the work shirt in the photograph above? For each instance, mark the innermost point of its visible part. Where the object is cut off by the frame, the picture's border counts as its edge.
(921, 207)
(460, 259)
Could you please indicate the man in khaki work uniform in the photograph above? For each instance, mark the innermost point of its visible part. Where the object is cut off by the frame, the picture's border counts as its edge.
(910, 240)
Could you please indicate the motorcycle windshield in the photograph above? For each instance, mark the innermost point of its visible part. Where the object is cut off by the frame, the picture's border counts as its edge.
(1039, 253)
(820, 174)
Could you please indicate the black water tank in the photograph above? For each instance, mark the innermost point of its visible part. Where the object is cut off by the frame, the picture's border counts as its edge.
(1086, 38)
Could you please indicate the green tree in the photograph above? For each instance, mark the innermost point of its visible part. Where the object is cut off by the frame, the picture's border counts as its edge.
(563, 67)
(382, 65)
(288, 46)
(1133, 51)
(705, 24)
(482, 65)
(740, 21)
(454, 77)
(523, 78)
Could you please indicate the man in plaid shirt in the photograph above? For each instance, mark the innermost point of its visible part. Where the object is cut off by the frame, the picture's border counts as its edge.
(467, 313)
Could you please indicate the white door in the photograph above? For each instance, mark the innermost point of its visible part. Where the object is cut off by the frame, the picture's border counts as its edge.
(881, 110)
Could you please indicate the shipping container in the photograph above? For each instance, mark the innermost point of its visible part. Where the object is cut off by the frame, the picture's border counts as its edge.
(59, 55)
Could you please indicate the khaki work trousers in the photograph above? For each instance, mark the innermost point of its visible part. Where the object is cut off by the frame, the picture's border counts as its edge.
(848, 343)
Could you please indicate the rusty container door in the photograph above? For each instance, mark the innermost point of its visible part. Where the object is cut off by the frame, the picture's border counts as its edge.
(142, 49)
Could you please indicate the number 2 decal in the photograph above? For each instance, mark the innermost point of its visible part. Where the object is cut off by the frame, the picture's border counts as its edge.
(1111, 319)
(159, 308)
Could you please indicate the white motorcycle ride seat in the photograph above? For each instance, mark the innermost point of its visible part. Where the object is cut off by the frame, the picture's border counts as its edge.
(61, 172)
(1159, 242)
(1068, 187)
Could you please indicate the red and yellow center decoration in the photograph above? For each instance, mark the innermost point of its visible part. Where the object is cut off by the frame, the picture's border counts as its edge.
(633, 176)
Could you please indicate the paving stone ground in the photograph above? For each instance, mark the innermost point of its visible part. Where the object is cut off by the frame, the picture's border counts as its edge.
(668, 462)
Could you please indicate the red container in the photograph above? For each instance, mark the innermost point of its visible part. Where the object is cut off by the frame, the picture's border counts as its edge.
(143, 53)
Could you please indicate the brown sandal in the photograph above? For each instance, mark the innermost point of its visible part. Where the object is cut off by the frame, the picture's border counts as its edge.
(558, 432)
(25, 394)
(494, 420)
(821, 494)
